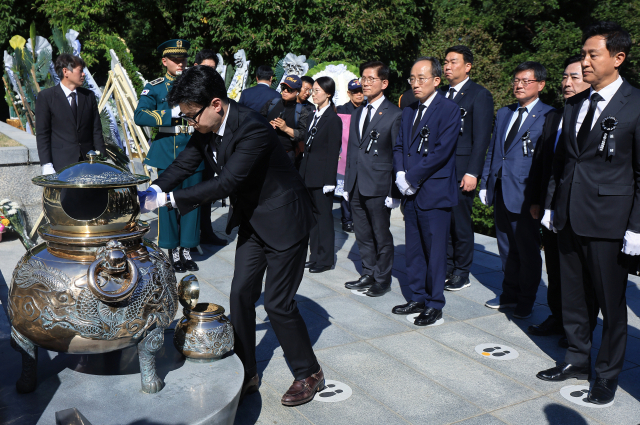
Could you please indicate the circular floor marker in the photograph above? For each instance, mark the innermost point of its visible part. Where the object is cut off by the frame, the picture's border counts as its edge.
(412, 317)
(334, 391)
(496, 351)
(359, 292)
(577, 394)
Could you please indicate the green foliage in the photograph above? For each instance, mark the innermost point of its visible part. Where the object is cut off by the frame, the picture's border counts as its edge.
(482, 217)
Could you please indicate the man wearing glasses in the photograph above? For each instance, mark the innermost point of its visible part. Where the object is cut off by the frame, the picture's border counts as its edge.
(368, 184)
(287, 116)
(177, 234)
(269, 202)
(504, 180)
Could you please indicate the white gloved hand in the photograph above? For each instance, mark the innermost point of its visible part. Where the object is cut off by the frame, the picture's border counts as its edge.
(151, 199)
(175, 112)
(327, 189)
(547, 220)
(48, 169)
(401, 182)
(391, 203)
(631, 243)
(345, 195)
(483, 196)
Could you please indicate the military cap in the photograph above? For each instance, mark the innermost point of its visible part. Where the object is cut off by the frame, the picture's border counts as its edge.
(354, 84)
(174, 48)
(293, 81)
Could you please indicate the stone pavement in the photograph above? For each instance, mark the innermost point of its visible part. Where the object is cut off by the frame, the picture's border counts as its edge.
(400, 373)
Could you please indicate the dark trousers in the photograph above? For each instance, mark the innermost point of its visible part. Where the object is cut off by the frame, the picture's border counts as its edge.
(519, 246)
(371, 222)
(345, 208)
(594, 274)
(284, 273)
(552, 260)
(323, 237)
(460, 246)
(175, 230)
(426, 234)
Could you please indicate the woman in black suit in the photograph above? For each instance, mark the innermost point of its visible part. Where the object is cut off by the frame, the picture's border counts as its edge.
(319, 168)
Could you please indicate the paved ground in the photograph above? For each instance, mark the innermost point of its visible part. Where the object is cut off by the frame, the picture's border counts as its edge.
(401, 373)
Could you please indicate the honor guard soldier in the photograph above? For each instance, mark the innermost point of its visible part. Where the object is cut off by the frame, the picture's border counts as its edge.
(178, 235)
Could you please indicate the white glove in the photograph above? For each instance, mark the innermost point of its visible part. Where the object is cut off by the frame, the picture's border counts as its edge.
(547, 220)
(345, 195)
(483, 196)
(175, 112)
(631, 243)
(403, 185)
(48, 169)
(327, 189)
(151, 199)
(391, 203)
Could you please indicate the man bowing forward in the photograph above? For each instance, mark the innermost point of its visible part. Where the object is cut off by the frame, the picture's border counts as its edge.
(424, 162)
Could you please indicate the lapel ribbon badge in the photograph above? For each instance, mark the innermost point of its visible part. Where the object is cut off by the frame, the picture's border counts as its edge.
(608, 125)
(312, 134)
(373, 137)
(526, 143)
(463, 113)
(424, 139)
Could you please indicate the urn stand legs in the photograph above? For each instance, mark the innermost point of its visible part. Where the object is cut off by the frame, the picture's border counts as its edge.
(29, 351)
(147, 348)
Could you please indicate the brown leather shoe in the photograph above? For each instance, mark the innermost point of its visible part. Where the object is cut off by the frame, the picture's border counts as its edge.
(250, 386)
(303, 391)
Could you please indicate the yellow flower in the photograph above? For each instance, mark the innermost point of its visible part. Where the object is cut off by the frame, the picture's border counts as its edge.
(17, 42)
(204, 20)
(5, 221)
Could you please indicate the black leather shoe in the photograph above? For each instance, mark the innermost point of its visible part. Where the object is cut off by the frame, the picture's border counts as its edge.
(551, 326)
(364, 282)
(187, 261)
(603, 391)
(563, 372)
(250, 386)
(319, 269)
(212, 240)
(563, 342)
(347, 227)
(409, 308)
(429, 316)
(456, 283)
(378, 289)
(309, 264)
(176, 263)
(448, 278)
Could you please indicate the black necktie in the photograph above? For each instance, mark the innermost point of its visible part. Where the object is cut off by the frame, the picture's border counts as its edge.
(585, 128)
(514, 129)
(452, 91)
(416, 123)
(74, 105)
(366, 120)
(215, 142)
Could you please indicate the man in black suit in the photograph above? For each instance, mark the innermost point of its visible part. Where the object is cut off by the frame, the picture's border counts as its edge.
(369, 181)
(68, 124)
(476, 110)
(255, 97)
(266, 192)
(595, 208)
(541, 172)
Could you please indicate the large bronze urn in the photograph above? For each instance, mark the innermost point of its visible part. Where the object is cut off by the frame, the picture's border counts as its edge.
(96, 285)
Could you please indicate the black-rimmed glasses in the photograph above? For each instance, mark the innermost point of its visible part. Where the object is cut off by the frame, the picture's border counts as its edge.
(193, 119)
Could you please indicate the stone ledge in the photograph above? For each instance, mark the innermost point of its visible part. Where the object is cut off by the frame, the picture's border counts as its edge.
(18, 155)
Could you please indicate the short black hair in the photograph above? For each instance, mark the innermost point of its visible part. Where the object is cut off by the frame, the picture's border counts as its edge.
(436, 68)
(198, 85)
(539, 71)
(264, 73)
(66, 60)
(206, 54)
(307, 79)
(382, 69)
(467, 56)
(572, 60)
(617, 39)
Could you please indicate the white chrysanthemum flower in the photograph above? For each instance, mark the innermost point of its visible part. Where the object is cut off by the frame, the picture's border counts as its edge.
(12, 211)
(4, 201)
(14, 204)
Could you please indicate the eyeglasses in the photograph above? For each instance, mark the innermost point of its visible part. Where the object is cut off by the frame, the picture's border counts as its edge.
(369, 80)
(193, 119)
(420, 80)
(516, 82)
(317, 91)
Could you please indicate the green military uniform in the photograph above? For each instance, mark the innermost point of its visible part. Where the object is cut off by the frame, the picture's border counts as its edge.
(154, 111)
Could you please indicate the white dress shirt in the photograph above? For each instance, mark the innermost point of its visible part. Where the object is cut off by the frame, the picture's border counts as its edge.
(68, 92)
(375, 105)
(319, 113)
(426, 104)
(515, 114)
(457, 88)
(607, 94)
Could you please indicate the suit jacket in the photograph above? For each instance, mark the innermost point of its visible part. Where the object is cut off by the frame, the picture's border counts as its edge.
(255, 97)
(475, 127)
(348, 108)
(265, 190)
(406, 99)
(600, 193)
(515, 165)
(434, 175)
(61, 139)
(319, 165)
(374, 170)
(542, 163)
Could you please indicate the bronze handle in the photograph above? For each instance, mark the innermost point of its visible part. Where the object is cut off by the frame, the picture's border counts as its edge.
(99, 270)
